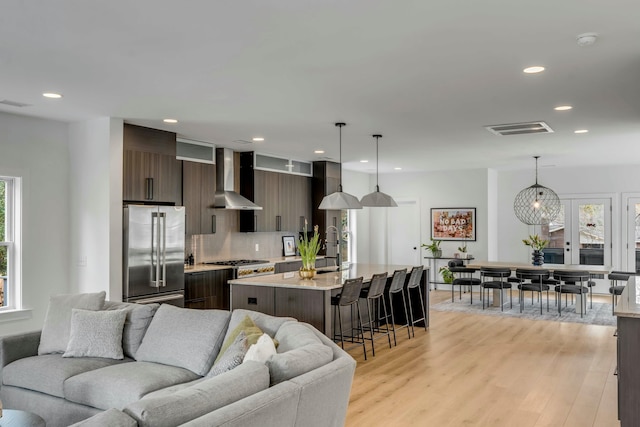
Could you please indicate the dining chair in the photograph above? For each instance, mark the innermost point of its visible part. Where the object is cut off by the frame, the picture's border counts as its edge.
(463, 277)
(374, 296)
(536, 278)
(615, 289)
(569, 280)
(497, 279)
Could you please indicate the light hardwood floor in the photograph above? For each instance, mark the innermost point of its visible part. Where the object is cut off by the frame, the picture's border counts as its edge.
(475, 370)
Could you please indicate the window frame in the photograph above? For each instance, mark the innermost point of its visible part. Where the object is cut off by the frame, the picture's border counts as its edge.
(12, 286)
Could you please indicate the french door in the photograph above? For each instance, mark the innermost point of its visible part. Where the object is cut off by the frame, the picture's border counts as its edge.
(633, 234)
(581, 234)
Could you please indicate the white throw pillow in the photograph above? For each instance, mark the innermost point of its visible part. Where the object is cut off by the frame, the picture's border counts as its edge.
(57, 321)
(262, 350)
(96, 334)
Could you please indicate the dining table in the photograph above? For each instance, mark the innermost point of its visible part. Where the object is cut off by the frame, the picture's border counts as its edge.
(594, 270)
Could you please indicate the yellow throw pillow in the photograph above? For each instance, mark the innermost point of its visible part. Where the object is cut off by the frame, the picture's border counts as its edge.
(251, 331)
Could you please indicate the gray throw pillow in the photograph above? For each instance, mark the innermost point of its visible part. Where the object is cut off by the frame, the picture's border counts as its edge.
(232, 357)
(57, 321)
(135, 325)
(96, 334)
(184, 338)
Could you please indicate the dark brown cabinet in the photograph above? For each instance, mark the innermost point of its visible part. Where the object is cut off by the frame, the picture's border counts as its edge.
(326, 179)
(628, 371)
(207, 289)
(198, 197)
(285, 199)
(151, 172)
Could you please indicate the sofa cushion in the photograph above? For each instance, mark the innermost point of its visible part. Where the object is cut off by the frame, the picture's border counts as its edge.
(232, 356)
(167, 391)
(111, 418)
(247, 326)
(119, 385)
(261, 351)
(57, 321)
(284, 366)
(47, 373)
(96, 334)
(201, 398)
(293, 335)
(138, 319)
(185, 338)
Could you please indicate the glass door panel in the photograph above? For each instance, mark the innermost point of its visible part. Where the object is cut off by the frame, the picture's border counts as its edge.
(591, 242)
(633, 235)
(555, 233)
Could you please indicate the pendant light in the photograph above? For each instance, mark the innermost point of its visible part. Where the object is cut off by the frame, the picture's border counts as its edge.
(537, 205)
(377, 199)
(340, 200)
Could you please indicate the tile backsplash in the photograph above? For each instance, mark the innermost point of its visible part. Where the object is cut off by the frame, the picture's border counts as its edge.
(227, 243)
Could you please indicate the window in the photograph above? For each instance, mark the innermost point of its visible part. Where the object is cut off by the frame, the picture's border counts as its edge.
(9, 278)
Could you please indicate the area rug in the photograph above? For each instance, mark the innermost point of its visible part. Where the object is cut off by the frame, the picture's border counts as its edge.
(600, 314)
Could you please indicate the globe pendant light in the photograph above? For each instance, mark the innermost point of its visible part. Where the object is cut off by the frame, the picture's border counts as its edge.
(537, 205)
(340, 200)
(377, 199)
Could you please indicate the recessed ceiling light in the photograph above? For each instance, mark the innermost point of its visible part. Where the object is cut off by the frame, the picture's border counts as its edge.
(563, 107)
(170, 121)
(319, 152)
(257, 139)
(398, 169)
(364, 161)
(52, 95)
(533, 70)
(581, 131)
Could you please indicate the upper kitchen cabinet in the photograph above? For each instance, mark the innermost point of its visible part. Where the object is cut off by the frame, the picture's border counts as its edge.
(151, 171)
(326, 180)
(198, 197)
(285, 197)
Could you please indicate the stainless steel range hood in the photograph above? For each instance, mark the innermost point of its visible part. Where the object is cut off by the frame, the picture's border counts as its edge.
(226, 197)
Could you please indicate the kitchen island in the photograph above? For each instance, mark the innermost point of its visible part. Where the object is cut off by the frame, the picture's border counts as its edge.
(628, 345)
(286, 294)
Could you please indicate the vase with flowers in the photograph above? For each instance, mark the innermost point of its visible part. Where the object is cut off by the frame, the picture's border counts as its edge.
(308, 248)
(536, 243)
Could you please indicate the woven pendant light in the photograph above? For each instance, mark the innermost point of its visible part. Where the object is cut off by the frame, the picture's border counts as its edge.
(537, 205)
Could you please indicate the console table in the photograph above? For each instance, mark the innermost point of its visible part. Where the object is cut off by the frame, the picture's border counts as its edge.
(433, 264)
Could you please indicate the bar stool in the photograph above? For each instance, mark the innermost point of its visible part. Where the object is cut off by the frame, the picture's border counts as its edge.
(498, 276)
(374, 294)
(536, 283)
(397, 287)
(615, 289)
(414, 283)
(348, 297)
(464, 277)
(570, 286)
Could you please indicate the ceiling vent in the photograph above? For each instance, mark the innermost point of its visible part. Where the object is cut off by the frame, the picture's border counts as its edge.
(242, 141)
(519, 128)
(14, 103)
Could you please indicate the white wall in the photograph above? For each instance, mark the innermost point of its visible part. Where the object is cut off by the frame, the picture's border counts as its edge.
(96, 206)
(441, 189)
(37, 150)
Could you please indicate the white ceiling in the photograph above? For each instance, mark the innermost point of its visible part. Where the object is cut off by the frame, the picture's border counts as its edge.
(426, 74)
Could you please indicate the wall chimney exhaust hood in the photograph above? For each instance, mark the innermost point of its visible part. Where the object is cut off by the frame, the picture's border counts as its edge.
(226, 197)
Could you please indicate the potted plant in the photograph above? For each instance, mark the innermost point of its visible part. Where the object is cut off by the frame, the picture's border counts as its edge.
(463, 251)
(536, 243)
(308, 249)
(447, 275)
(434, 247)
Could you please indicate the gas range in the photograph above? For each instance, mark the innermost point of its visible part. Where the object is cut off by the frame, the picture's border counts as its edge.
(247, 267)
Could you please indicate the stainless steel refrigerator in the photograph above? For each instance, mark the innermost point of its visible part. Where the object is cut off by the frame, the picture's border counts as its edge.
(153, 254)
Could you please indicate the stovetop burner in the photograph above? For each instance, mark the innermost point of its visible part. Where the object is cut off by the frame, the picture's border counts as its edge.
(238, 262)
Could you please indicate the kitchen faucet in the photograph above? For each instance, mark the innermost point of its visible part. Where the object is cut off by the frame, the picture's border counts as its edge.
(338, 263)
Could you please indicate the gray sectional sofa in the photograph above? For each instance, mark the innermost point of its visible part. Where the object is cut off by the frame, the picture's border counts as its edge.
(165, 376)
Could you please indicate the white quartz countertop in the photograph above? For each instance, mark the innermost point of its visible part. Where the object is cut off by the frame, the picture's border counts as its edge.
(323, 281)
(629, 301)
(210, 267)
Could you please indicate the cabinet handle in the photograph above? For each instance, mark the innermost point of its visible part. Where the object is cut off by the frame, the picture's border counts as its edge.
(198, 274)
(213, 224)
(615, 334)
(278, 223)
(149, 186)
(255, 223)
(616, 372)
(335, 221)
(301, 223)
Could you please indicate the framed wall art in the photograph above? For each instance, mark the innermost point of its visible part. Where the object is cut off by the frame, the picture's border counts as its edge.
(289, 245)
(453, 224)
